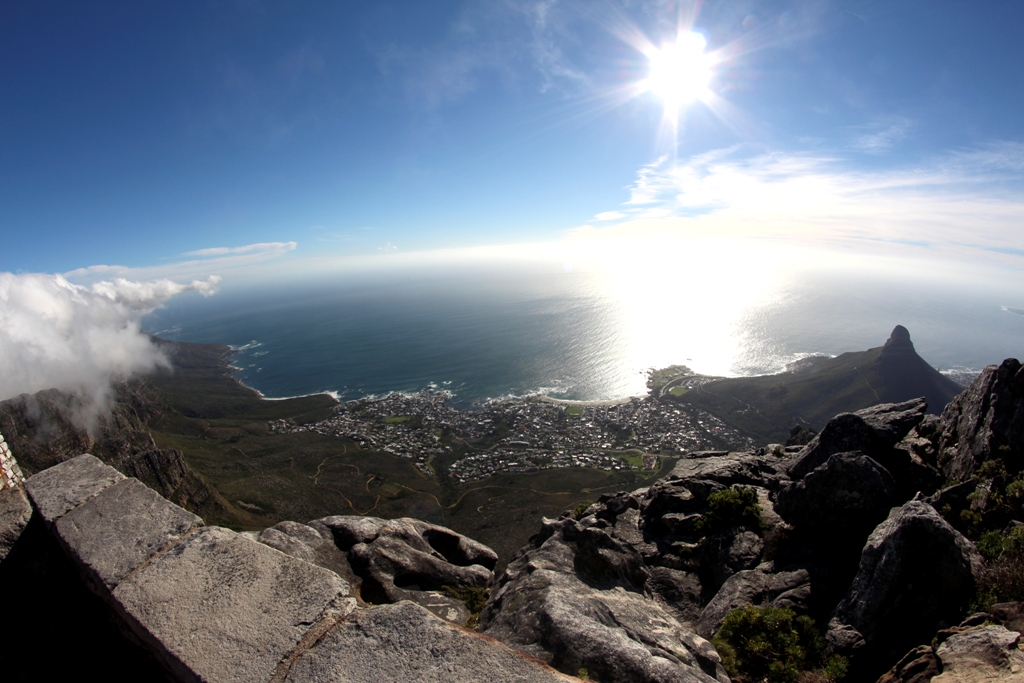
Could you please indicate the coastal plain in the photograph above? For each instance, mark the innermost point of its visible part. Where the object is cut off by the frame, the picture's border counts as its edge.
(272, 460)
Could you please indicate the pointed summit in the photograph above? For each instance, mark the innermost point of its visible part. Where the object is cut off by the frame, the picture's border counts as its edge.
(899, 343)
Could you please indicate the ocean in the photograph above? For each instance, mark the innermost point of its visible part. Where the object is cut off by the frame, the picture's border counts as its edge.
(489, 331)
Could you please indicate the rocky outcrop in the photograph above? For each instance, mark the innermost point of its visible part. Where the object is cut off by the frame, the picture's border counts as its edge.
(916, 573)
(575, 597)
(849, 494)
(985, 653)
(408, 559)
(209, 604)
(985, 420)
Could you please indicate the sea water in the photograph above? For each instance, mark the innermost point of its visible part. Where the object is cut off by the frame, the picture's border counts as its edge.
(491, 332)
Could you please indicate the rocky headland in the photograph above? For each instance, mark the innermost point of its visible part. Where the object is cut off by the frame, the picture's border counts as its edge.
(888, 547)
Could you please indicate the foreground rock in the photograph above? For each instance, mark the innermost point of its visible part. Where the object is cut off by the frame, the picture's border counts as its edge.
(574, 597)
(916, 574)
(210, 604)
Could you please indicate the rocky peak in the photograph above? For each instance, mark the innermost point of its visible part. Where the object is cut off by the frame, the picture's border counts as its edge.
(898, 343)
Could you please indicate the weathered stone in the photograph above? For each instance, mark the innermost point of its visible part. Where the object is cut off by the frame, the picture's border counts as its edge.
(574, 599)
(987, 653)
(117, 530)
(313, 543)
(728, 469)
(220, 607)
(917, 666)
(848, 495)
(724, 554)
(679, 591)
(915, 573)
(984, 421)
(65, 486)
(749, 587)
(408, 559)
(1009, 614)
(15, 511)
(403, 643)
(873, 431)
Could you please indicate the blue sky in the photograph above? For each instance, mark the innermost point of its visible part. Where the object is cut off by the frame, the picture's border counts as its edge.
(193, 139)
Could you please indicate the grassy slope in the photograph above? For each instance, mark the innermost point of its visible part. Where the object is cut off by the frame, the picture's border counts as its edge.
(220, 426)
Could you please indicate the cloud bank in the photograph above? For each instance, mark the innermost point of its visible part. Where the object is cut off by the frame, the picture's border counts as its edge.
(54, 334)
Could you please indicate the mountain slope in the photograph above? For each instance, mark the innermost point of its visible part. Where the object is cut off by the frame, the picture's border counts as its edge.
(818, 388)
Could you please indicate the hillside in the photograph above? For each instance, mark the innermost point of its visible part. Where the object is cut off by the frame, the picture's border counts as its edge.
(766, 407)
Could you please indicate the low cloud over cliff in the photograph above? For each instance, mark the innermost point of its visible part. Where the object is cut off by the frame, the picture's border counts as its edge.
(54, 334)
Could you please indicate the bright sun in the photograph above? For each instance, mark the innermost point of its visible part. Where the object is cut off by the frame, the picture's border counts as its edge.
(679, 72)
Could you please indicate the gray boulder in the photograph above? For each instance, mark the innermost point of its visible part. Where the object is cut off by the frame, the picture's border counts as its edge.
(916, 573)
(847, 495)
(985, 420)
(313, 543)
(15, 512)
(575, 598)
(724, 554)
(731, 468)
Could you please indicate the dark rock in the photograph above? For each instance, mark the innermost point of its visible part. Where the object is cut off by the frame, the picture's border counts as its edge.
(724, 554)
(800, 436)
(678, 591)
(672, 506)
(872, 430)
(984, 421)
(1009, 614)
(916, 572)
(847, 496)
(551, 603)
(759, 586)
(408, 559)
(917, 666)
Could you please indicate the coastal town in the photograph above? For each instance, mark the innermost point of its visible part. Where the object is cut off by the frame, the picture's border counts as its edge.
(523, 435)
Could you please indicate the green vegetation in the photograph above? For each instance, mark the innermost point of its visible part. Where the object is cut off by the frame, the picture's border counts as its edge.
(657, 379)
(474, 597)
(574, 410)
(773, 644)
(583, 674)
(395, 419)
(731, 508)
(580, 509)
(678, 391)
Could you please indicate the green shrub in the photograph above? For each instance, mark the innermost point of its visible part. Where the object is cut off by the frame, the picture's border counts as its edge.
(473, 597)
(580, 509)
(730, 508)
(770, 644)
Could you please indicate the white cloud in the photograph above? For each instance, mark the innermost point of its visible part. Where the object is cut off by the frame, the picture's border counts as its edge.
(967, 204)
(55, 334)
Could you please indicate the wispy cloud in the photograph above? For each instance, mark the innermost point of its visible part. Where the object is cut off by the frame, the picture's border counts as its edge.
(203, 263)
(884, 135)
(269, 249)
(966, 203)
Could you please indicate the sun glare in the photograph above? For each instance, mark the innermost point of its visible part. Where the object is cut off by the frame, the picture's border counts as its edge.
(679, 72)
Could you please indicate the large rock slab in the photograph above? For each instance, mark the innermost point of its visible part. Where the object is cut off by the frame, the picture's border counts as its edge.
(221, 607)
(731, 468)
(311, 542)
(57, 490)
(404, 642)
(916, 572)
(119, 529)
(575, 597)
(15, 511)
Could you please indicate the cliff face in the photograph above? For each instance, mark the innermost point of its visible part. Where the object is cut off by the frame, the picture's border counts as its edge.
(48, 427)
